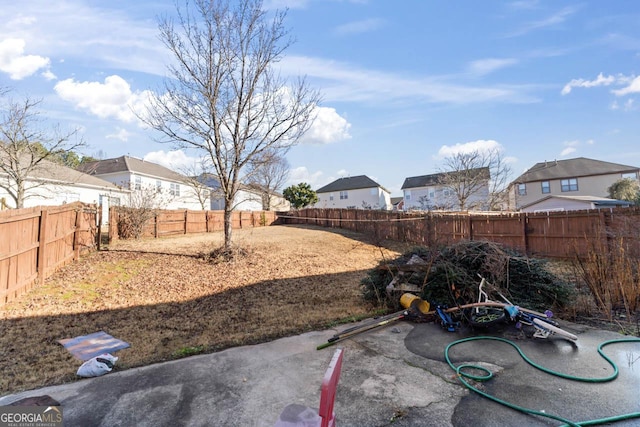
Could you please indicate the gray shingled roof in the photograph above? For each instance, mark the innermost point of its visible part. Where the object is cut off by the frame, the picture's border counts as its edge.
(571, 168)
(130, 164)
(54, 172)
(350, 183)
(435, 178)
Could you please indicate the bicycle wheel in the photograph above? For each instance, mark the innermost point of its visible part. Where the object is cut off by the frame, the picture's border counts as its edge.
(555, 329)
(486, 317)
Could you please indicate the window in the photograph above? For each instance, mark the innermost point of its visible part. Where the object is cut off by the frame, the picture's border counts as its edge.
(158, 185)
(570, 184)
(522, 189)
(546, 188)
(432, 194)
(407, 195)
(446, 192)
(138, 183)
(331, 196)
(174, 189)
(344, 195)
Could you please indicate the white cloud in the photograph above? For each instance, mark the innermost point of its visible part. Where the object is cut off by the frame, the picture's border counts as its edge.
(601, 80)
(91, 32)
(553, 20)
(14, 62)
(344, 82)
(633, 87)
(358, 27)
(480, 145)
(121, 134)
(111, 99)
(482, 67)
(48, 75)
(573, 146)
(327, 127)
(176, 160)
(342, 173)
(302, 174)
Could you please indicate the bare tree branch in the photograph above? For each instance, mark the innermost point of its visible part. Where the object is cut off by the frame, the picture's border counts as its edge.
(477, 179)
(224, 98)
(26, 146)
(267, 173)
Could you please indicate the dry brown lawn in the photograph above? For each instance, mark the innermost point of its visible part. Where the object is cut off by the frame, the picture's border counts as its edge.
(168, 302)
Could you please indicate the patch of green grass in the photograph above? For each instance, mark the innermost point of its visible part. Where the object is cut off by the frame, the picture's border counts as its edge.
(188, 351)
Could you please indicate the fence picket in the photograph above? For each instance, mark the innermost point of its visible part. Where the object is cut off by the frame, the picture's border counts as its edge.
(39, 240)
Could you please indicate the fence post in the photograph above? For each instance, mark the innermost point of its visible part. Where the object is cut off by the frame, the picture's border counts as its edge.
(99, 231)
(155, 225)
(76, 235)
(41, 245)
(470, 225)
(525, 242)
(186, 218)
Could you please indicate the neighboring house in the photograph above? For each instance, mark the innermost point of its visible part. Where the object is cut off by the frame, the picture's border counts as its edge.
(357, 192)
(271, 201)
(572, 203)
(571, 177)
(397, 203)
(52, 184)
(248, 197)
(436, 191)
(170, 190)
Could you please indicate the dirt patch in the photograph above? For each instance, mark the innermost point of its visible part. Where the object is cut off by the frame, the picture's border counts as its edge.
(168, 301)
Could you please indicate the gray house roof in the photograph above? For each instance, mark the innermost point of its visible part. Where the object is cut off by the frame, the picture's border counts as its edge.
(436, 178)
(130, 164)
(571, 168)
(350, 183)
(48, 171)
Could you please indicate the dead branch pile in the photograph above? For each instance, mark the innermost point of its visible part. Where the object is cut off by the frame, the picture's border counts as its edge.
(451, 275)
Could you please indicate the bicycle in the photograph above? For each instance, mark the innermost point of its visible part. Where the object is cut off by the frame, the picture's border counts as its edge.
(487, 313)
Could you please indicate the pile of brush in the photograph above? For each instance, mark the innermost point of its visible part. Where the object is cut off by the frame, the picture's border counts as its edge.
(451, 275)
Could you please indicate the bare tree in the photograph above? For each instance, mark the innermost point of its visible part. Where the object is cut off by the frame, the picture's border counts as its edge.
(268, 172)
(476, 179)
(224, 97)
(196, 179)
(26, 148)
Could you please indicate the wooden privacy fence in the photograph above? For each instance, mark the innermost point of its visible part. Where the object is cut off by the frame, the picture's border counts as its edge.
(554, 234)
(174, 222)
(35, 242)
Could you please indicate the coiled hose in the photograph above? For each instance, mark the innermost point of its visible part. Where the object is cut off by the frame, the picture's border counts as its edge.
(463, 376)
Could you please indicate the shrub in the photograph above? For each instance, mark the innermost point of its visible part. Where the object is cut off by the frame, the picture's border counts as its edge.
(131, 221)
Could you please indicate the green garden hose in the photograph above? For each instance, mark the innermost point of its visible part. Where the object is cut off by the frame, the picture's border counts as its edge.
(463, 376)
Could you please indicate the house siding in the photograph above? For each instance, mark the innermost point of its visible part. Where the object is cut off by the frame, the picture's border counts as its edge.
(373, 198)
(59, 194)
(186, 200)
(419, 199)
(595, 185)
(244, 201)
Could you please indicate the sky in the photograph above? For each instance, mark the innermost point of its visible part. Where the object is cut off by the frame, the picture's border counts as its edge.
(404, 84)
